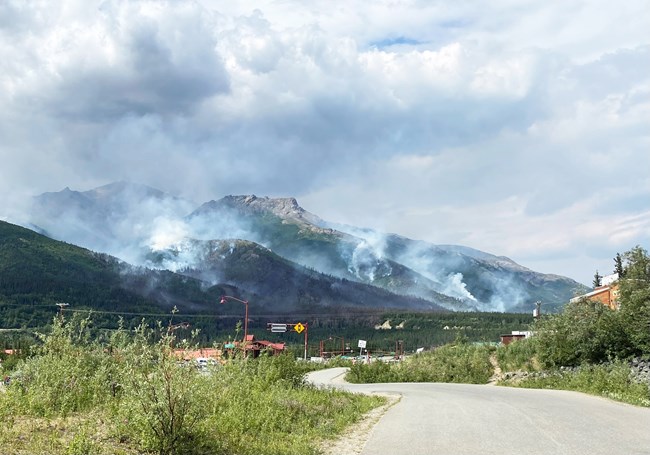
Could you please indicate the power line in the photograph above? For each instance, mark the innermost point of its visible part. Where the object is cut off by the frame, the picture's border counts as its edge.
(337, 315)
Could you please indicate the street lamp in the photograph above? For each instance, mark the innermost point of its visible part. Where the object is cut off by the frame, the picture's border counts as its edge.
(225, 298)
(333, 337)
(61, 306)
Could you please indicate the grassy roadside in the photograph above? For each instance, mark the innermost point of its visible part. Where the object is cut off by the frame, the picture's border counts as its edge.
(612, 380)
(464, 363)
(461, 363)
(609, 381)
(128, 395)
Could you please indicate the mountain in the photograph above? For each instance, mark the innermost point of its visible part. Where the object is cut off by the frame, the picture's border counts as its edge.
(290, 231)
(472, 278)
(280, 284)
(36, 272)
(112, 218)
(497, 281)
(150, 228)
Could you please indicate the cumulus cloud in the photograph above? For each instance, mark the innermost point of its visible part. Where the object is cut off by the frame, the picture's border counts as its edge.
(517, 129)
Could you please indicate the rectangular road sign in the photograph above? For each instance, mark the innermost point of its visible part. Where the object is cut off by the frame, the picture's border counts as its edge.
(278, 328)
(362, 344)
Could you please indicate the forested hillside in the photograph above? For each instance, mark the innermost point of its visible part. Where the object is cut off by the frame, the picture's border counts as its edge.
(37, 272)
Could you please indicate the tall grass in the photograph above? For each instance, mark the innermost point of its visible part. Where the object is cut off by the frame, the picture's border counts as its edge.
(460, 363)
(519, 355)
(130, 395)
(608, 380)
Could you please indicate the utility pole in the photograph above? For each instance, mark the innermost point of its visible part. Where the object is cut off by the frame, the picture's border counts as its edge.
(61, 306)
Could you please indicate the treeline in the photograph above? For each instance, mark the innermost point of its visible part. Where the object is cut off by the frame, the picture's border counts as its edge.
(590, 347)
(425, 330)
(590, 332)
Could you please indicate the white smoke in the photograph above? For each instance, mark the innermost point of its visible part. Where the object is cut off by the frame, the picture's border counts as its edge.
(417, 257)
(367, 262)
(155, 231)
(167, 233)
(453, 286)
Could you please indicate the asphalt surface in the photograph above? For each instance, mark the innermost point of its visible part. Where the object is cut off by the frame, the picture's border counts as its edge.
(458, 419)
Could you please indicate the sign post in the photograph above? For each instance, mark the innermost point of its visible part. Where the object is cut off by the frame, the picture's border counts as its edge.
(299, 327)
(362, 346)
(278, 328)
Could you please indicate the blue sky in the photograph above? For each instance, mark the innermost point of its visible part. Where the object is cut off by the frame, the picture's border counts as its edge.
(518, 128)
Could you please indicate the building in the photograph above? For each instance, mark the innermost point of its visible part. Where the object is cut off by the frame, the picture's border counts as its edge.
(514, 336)
(254, 347)
(607, 293)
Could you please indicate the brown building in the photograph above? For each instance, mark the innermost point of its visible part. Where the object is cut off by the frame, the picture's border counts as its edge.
(607, 294)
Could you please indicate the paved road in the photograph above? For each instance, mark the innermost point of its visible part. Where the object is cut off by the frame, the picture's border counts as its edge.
(458, 419)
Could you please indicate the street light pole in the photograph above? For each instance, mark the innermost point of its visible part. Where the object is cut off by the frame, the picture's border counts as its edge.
(225, 298)
(334, 337)
(61, 306)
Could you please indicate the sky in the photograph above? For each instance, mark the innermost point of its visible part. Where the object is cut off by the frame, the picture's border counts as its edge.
(520, 128)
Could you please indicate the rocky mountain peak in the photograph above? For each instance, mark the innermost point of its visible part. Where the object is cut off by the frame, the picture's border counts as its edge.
(286, 208)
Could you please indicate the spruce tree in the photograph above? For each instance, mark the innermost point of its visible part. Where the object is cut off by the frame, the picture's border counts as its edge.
(598, 280)
(618, 266)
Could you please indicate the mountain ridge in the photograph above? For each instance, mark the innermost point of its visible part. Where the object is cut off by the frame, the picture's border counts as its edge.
(36, 272)
(470, 278)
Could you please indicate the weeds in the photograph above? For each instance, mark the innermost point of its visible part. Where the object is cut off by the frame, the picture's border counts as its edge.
(460, 363)
(131, 395)
(519, 355)
(607, 380)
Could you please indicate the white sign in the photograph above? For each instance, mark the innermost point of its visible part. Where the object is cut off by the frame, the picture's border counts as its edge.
(362, 344)
(278, 328)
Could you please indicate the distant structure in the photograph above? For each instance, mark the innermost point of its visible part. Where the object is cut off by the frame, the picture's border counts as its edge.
(606, 293)
(508, 338)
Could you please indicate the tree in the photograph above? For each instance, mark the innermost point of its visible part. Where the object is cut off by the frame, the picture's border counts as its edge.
(618, 266)
(585, 332)
(634, 298)
(163, 397)
(598, 279)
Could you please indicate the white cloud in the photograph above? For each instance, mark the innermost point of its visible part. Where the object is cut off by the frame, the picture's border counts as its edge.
(518, 128)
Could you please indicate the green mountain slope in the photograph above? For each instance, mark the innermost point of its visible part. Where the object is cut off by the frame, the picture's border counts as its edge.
(468, 278)
(36, 272)
(136, 223)
(280, 284)
(291, 232)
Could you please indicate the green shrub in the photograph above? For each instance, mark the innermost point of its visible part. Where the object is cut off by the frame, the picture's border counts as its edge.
(162, 398)
(461, 363)
(81, 444)
(585, 332)
(263, 407)
(518, 355)
(610, 380)
(145, 400)
(69, 373)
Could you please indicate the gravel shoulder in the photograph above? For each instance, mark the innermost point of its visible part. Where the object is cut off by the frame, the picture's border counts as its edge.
(353, 441)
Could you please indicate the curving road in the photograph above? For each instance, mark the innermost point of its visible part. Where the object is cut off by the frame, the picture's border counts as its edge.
(458, 419)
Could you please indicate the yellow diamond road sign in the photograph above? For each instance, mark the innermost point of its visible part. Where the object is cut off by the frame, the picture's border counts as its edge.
(299, 327)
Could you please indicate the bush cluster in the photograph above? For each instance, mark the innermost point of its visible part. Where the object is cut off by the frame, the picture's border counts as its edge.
(593, 340)
(458, 362)
(130, 394)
